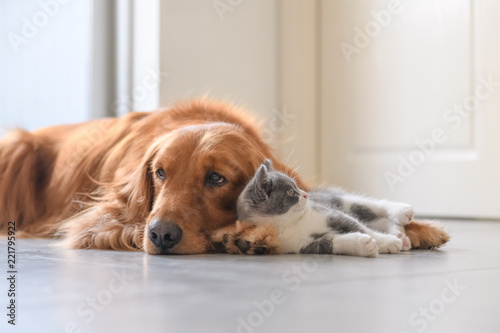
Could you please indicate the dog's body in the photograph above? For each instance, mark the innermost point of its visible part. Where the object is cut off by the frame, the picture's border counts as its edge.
(173, 176)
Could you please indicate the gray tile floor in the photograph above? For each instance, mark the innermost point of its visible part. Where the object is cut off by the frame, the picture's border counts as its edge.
(456, 289)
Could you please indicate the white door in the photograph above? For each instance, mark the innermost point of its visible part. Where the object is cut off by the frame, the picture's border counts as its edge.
(410, 102)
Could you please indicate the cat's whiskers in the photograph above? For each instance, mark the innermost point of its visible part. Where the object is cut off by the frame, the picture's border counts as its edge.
(295, 172)
(289, 155)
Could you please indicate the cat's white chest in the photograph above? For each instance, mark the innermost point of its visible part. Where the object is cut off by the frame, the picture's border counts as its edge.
(297, 233)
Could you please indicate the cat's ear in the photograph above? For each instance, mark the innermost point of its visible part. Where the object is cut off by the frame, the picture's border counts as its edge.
(262, 183)
(269, 164)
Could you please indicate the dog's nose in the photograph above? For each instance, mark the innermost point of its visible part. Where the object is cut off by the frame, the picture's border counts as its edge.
(164, 234)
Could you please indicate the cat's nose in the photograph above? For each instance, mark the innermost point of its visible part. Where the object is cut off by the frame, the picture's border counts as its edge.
(305, 196)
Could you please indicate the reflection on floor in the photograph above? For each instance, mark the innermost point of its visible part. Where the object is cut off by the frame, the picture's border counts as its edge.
(455, 289)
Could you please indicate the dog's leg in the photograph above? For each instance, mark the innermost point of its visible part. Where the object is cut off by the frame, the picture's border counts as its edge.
(426, 234)
(94, 229)
(246, 238)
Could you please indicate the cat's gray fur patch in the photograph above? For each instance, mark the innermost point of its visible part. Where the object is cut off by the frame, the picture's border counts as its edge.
(343, 224)
(363, 213)
(320, 246)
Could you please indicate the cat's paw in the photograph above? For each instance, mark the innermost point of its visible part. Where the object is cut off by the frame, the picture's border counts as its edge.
(247, 238)
(368, 247)
(389, 244)
(406, 241)
(401, 214)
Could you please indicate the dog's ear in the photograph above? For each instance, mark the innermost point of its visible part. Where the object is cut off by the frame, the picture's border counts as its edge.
(138, 188)
(117, 220)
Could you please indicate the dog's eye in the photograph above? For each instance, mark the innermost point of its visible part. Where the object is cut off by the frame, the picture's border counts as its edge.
(213, 178)
(291, 192)
(161, 174)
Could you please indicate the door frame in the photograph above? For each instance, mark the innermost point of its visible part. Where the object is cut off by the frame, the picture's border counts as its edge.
(299, 88)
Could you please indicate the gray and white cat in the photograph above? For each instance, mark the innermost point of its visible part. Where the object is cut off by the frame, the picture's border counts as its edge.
(324, 221)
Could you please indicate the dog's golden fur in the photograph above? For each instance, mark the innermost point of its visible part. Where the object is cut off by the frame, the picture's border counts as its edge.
(94, 183)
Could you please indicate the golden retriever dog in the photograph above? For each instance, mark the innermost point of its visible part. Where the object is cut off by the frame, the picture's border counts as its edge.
(162, 182)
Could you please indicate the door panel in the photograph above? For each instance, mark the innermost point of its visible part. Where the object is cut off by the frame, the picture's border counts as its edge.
(406, 109)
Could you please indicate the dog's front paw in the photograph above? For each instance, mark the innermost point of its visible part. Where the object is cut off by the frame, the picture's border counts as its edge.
(426, 234)
(247, 238)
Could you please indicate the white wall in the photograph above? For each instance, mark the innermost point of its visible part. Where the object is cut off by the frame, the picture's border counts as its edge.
(228, 54)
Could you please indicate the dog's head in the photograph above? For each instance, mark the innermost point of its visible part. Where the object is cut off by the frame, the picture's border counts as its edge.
(190, 180)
